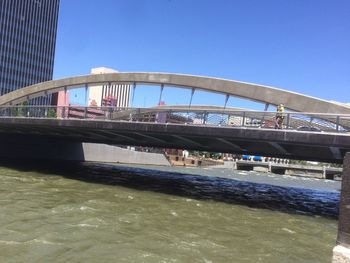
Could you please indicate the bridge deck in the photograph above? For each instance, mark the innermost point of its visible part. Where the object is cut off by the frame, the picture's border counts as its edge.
(327, 147)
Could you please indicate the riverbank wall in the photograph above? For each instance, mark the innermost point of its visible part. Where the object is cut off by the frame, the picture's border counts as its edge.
(113, 154)
(76, 151)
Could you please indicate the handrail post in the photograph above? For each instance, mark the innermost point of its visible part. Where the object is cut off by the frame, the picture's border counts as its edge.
(168, 116)
(111, 110)
(205, 117)
(85, 112)
(138, 114)
(337, 124)
(130, 114)
(243, 118)
(288, 120)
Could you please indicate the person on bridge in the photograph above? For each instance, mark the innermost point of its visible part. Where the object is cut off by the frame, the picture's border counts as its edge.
(279, 117)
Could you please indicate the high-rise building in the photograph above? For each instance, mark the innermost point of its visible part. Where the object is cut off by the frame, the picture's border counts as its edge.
(116, 95)
(27, 43)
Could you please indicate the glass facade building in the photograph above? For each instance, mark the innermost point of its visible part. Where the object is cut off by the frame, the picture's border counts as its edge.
(27, 43)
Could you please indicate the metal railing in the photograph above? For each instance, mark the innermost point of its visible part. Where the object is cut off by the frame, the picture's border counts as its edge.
(315, 122)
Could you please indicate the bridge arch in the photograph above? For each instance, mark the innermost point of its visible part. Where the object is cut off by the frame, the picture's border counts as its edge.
(259, 93)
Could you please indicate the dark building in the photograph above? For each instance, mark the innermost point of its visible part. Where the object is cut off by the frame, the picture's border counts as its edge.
(27, 43)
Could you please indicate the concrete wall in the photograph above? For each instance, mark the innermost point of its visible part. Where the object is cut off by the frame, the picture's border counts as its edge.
(112, 154)
(30, 148)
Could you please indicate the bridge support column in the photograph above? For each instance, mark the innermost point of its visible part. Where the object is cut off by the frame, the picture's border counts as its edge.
(341, 253)
(234, 165)
(324, 172)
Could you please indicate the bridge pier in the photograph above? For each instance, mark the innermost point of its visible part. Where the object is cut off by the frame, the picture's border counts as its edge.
(341, 252)
(270, 167)
(324, 172)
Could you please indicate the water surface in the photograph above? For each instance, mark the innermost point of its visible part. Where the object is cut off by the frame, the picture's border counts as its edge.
(102, 213)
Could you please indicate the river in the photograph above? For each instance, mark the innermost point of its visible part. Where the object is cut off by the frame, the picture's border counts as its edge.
(61, 212)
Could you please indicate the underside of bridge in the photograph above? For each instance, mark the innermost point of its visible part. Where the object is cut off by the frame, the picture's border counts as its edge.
(54, 138)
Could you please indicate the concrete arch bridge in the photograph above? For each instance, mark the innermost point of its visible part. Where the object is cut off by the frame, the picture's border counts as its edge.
(263, 94)
(191, 127)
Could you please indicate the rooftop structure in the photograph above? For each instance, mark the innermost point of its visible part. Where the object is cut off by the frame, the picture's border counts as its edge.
(117, 95)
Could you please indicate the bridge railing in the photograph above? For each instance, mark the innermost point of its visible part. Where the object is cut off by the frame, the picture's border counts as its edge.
(315, 122)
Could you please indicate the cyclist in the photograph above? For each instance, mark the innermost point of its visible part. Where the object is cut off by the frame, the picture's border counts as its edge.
(279, 116)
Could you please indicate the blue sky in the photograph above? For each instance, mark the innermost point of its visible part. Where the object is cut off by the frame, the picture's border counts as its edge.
(299, 45)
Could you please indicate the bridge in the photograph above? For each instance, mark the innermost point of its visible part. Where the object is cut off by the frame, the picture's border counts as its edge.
(229, 131)
(313, 129)
(205, 128)
(280, 168)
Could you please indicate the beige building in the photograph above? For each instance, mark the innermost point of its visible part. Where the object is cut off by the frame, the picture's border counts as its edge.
(117, 95)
